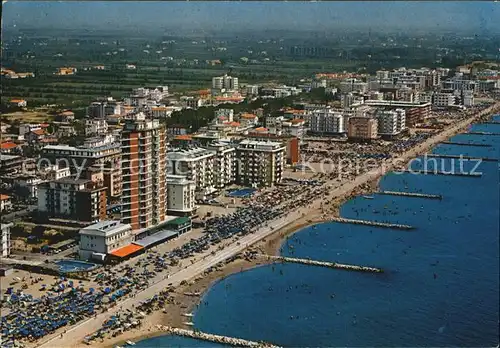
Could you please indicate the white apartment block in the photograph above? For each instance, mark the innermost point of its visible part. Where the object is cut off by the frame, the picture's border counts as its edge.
(100, 239)
(353, 85)
(382, 74)
(260, 163)
(460, 85)
(444, 99)
(327, 121)
(5, 239)
(226, 83)
(195, 164)
(101, 109)
(94, 127)
(294, 128)
(225, 164)
(391, 122)
(281, 91)
(252, 90)
(180, 195)
(468, 98)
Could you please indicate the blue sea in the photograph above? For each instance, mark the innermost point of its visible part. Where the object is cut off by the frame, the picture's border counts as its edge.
(441, 281)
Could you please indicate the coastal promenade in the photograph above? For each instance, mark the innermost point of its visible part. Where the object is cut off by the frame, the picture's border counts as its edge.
(74, 335)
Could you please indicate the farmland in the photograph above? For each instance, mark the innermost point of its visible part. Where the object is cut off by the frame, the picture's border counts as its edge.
(189, 63)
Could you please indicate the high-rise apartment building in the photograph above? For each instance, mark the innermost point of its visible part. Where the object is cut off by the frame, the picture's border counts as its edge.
(144, 172)
(196, 164)
(261, 163)
(224, 165)
(391, 122)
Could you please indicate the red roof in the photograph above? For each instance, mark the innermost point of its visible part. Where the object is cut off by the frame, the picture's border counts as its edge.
(38, 131)
(4, 197)
(7, 145)
(44, 125)
(126, 250)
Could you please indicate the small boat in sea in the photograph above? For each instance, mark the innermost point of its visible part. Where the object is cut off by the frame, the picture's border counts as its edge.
(130, 343)
(368, 197)
(189, 323)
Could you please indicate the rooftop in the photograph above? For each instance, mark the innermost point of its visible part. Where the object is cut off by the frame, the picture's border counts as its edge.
(178, 179)
(7, 145)
(193, 153)
(106, 227)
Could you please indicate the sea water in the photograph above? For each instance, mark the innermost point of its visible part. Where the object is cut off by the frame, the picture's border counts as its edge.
(440, 285)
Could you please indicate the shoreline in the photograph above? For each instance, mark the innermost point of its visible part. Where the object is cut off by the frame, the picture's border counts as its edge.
(317, 212)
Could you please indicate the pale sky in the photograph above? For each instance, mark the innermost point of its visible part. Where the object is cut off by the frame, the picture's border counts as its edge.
(478, 16)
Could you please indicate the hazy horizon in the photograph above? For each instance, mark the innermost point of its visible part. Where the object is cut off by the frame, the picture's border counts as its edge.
(473, 16)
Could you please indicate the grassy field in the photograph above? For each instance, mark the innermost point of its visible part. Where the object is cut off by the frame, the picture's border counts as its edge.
(28, 116)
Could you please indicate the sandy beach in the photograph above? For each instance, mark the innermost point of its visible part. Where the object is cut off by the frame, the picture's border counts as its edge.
(267, 240)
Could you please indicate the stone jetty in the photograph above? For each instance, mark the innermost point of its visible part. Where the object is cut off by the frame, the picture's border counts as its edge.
(469, 158)
(465, 144)
(439, 172)
(411, 194)
(373, 223)
(482, 133)
(325, 264)
(231, 341)
(489, 122)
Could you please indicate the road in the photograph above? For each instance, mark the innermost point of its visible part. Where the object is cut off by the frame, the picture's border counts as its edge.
(75, 335)
(78, 332)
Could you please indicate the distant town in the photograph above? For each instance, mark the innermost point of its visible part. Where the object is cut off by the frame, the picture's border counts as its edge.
(160, 180)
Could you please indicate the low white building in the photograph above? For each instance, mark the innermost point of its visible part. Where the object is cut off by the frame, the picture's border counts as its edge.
(444, 99)
(180, 195)
(5, 239)
(100, 239)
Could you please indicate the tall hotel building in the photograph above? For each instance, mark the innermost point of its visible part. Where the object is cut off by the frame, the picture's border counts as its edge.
(144, 173)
